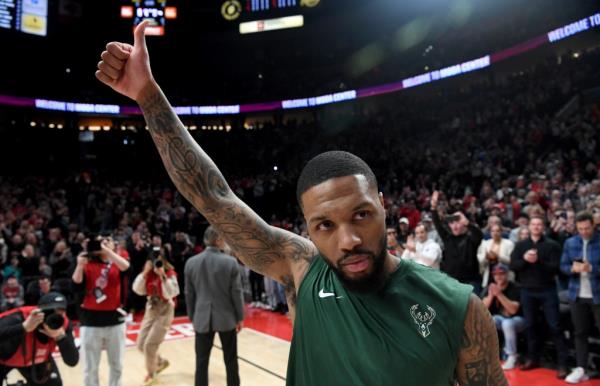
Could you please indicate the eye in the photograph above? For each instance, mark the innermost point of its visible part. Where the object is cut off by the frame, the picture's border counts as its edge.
(361, 215)
(324, 225)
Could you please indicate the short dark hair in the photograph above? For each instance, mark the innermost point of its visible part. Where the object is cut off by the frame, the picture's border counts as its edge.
(45, 276)
(332, 164)
(584, 216)
(210, 236)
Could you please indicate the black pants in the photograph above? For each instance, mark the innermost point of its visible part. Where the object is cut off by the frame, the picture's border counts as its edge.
(257, 285)
(547, 299)
(204, 343)
(583, 312)
(41, 370)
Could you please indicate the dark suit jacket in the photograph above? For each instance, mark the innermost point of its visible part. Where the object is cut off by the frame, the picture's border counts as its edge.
(213, 291)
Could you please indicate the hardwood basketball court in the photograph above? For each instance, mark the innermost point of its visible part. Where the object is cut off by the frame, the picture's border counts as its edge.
(263, 348)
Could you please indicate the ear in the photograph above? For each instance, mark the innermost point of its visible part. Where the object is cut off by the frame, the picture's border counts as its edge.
(381, 199)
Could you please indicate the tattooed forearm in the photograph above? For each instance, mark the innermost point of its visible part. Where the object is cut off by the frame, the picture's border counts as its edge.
(478, 362)
(263, 248)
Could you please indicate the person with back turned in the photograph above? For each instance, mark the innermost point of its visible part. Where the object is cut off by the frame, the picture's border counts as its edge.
(215, 303)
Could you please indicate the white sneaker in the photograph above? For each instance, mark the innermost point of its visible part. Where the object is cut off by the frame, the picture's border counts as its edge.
(577, 375)
(510, 363)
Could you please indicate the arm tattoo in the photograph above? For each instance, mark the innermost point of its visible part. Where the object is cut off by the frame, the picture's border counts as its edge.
(263, 248)
(478, 362)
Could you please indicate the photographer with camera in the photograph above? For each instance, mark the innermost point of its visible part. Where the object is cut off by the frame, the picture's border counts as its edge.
(37, 329)
(158, 281)
(99, 274)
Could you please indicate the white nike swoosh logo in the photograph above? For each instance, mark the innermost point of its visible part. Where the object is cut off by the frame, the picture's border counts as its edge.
(323, 294)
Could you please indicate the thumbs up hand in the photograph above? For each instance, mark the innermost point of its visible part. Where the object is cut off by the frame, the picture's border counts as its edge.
(126, 68)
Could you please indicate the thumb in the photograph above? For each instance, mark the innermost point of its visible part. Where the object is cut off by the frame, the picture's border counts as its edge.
(139, 37)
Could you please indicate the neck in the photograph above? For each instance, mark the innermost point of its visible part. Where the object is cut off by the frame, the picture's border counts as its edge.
(536, 238)
(391, 263)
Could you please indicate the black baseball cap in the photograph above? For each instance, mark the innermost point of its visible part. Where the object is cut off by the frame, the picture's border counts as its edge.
(52, 301)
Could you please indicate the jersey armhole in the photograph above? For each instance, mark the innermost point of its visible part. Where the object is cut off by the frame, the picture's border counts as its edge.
(310, 268)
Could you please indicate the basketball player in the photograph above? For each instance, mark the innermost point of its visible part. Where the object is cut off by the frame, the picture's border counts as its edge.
(362, 316)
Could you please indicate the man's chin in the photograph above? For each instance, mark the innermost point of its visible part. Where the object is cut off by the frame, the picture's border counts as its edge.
(366, 281)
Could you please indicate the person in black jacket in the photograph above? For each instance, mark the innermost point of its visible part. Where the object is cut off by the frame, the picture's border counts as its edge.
(27, 330)
(461, 241)
(536, 262)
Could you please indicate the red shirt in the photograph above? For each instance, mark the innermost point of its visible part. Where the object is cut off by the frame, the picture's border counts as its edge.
(102, 286)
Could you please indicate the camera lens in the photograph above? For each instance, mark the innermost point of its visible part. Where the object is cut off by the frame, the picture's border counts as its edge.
(54, 321)
(158, 263)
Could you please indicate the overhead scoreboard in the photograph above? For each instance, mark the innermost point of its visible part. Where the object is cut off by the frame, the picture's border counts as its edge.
(255, 13)
(265, 5)
(29, 16)
(155, 11)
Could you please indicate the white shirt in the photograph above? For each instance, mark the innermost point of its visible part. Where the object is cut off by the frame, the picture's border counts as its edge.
(585, 286)
(428, 253)
(503, 251)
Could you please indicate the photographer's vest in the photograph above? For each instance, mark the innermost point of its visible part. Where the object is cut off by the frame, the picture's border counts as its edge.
(408, 333)
(23, 356)
(102, 287)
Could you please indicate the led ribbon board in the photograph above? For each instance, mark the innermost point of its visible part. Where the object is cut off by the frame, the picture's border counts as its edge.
(414, 81)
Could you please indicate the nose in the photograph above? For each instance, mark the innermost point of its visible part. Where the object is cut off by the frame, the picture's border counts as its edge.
(348, 238)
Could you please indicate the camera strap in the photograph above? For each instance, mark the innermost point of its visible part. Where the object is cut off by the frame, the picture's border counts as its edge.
(34, 368)
(101, 283)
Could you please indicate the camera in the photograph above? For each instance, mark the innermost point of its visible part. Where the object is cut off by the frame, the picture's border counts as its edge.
(155, 257)
(94, 247)
(94, 244)
(53, 320)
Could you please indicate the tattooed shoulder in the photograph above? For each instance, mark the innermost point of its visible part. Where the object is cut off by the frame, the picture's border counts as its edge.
(299, 249)
(478, 362)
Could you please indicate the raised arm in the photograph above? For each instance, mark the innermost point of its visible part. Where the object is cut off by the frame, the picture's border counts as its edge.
(440, 227)
(478, 363)
(274, 252)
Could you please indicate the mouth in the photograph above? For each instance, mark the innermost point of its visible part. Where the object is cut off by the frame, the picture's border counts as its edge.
(357, 263)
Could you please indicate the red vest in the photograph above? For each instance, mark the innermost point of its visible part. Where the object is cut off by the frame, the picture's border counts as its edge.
(23, 356)
(154, 284)
(98, 285)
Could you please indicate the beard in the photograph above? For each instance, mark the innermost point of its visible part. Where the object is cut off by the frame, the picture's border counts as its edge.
(371, 282)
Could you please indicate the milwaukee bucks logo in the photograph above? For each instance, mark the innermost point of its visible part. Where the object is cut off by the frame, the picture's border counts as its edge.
(423, 318)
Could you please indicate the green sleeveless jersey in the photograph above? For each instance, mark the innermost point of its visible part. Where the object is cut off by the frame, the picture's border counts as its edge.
(407, 334)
